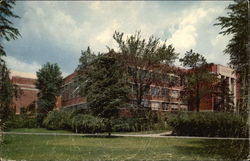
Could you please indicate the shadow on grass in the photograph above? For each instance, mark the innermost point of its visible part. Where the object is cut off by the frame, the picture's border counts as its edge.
(101, 136)
(224, 149)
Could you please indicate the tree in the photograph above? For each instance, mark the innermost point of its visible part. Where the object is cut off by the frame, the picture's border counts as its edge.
(145, 61)
(49, 82)
(199, 82)
(236, 24)
(7, 92)
(105, 87)
(224, 98)
(7, 32)
(86, 58)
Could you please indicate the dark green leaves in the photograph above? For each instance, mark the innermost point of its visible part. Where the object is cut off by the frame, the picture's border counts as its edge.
(49, 82)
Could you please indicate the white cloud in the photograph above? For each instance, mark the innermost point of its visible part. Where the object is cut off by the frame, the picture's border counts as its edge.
(76, 25)
(185, 37)
(20, 66)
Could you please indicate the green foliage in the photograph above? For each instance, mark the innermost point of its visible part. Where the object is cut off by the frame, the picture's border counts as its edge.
(58, 119)
(148, 55)
(105, 86)
(199, 82)
(84, 123)
(86, 58)
(49, 82)
(151, 121)
(7, 32)
(224, 101)
(236, 24)
(209, 124)
(8, 91)
(22, 121)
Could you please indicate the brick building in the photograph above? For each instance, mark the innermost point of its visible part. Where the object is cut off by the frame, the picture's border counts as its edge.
(209, 103)
(159, 98)
(28, 97)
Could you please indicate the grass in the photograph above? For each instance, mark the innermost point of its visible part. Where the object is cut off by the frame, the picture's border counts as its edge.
(31, 147)
(43, 130)
(38, 130)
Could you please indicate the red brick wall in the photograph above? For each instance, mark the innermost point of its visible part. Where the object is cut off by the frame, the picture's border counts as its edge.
(29, 92)
(73, 101)
(25, 100)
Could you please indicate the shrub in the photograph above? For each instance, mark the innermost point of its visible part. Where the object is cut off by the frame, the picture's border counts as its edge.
(58, 119)
(87, 124)
(208, 124)
(22, 121)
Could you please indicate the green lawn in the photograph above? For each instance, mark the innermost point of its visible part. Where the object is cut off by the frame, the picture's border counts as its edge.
(38, 130)
(43, 130)
(30, 147)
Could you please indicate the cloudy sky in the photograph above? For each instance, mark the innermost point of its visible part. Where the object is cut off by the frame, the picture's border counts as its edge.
(56, 32)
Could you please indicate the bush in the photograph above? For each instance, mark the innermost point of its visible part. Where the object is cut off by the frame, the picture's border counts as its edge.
(208, 124)
(58, 119)
(152, 121)
(87, 124)
(22, 121)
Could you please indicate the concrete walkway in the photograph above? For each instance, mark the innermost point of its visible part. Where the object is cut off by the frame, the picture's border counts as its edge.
(160, 135)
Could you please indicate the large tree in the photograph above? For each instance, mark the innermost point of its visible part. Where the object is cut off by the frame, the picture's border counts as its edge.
(145, 61)
(224, 98)
(198, 81)
(105, 86)
(7, 33)
(49, 82)
(236, 24)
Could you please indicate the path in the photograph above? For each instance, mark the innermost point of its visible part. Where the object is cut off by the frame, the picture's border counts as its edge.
(160, 135)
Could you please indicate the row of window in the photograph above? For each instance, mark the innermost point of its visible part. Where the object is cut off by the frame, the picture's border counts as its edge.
(158, 91)
(165, 78)
(165, 106)
(70, 90)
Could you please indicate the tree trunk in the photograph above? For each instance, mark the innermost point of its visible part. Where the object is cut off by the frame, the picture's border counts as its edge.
(197, 98)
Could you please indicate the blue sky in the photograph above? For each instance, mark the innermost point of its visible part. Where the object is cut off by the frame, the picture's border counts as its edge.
(56, 32)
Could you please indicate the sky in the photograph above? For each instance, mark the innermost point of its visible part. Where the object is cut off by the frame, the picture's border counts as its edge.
(57, 31)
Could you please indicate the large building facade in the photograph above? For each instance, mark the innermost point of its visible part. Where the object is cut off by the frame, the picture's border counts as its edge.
(28, 97)
(160, 97)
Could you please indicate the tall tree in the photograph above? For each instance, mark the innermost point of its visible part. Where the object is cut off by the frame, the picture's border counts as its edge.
(105, 87)
(236, 24)
(7, 33)
(49, 82)
(224, 98)
(86, 58)
(142, 59)
(199, 82)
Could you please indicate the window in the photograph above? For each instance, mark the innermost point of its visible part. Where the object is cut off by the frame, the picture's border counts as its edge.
(155, 105)
(155, 91)
(175, 94)
(165, 106)
(164, 92)
(145, 103)
(133, 89)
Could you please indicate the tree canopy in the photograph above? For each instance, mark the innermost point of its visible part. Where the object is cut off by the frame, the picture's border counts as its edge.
(105, 86)
(198, 81)
(142, 58)
(236, 24)
(49, 82)
(7, 33)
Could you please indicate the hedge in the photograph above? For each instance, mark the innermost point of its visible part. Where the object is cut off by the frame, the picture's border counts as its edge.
(22, 121)
(209, 124)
